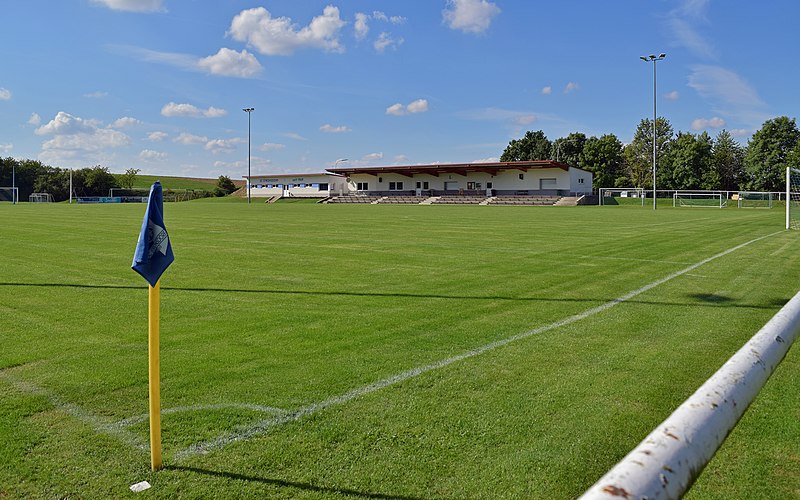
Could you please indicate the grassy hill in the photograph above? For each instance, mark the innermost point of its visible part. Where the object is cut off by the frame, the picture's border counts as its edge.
(168, 182)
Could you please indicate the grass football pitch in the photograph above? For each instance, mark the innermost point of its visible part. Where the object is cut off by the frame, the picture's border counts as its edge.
(322, 351)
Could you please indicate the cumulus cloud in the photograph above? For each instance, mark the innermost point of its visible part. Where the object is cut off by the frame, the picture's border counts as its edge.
(493, 159)
(295, 136)
(125, 121)
(150, 155)
(224, 145)
(5, 148)
(96, 94)
(704, 123)
(385, 41)
(227, 62)
(672, 96)
(156, 136)
(186, 138)
(418, 106)
(547, 90)
(172, 109)
(5, 94)
(373, 157)
(75, 138)
(571, 87)
(361, 27)
(282, 37)
(35, 119)
(330, 129)
(469, 16)
(133, 5)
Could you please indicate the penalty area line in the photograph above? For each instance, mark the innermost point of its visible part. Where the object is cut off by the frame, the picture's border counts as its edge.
(265, 425)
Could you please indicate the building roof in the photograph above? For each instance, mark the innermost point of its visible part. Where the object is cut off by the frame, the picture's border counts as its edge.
(284, 176)
(452, 168)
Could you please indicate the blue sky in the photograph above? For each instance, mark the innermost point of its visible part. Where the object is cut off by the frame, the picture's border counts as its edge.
(160, 85)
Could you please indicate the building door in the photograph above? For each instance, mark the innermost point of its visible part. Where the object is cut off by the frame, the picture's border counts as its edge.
(451, 185)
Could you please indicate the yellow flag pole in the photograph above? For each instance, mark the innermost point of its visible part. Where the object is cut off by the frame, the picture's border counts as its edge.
(154, 316)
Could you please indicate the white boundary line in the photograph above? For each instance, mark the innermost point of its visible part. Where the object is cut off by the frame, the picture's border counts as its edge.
(264, 425)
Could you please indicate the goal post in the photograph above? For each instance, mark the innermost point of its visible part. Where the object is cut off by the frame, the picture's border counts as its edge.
(699, 200)
(621, 196)
(792, 198)
(754, 199)
(40, 198)
(9, 194)
(666, 463)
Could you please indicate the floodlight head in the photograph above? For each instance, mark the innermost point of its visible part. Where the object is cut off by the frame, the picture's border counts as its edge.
(248, 110)
(662, 55)
(652, 56)
(643, 58)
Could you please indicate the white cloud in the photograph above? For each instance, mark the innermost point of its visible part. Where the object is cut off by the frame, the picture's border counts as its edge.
(547, 90)
(5, 94)
(704, 123)
(729, 94)
(186, 138)
(77, 139)
(380, 16)
(571, 87)
(157, 136)
(524, 119)
(469, 16)
(400, 159)
(172, 109)
(295, 136)
(683, 22)
(372, 157)
(133, 5)
(418, 106)
(493, 159)
(125, 121)
(271, 146)
(672, 96)
(224, 145)
(397, 20)
(227, 62)
(361, 27)
(150, 155)
(330, 129)
(741, 132)
(385, 41)
(281, 37)
(96, 94)
(5, 148)
(35, 119)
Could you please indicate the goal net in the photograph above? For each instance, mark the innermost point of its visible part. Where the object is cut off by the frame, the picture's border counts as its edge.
(792, 198)
(754, 199)
(621, 196)
(40, 198)
(700, 200)
(9, 194)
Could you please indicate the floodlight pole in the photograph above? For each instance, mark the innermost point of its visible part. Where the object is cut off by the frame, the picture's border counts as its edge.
(654, 58)
(13, 182)
(248, 111)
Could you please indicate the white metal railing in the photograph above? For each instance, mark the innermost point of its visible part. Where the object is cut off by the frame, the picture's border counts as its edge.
(668, 461)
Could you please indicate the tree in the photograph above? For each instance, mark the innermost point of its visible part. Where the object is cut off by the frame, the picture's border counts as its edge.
(603, 158)
(638, 155)
(534, 146)
(24, 173)
(568, 149)
(128, 179)
(687, 164)
(225, 186)
(98, 181)
(728, 162)
(768, 153)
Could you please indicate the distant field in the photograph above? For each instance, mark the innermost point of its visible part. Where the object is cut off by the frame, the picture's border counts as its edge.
(145, 181)
(335, 351)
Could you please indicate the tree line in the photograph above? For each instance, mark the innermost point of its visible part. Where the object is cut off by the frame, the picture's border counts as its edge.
(684, 160)
(32, 176)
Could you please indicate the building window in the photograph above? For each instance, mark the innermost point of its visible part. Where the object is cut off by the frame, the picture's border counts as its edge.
(362, 186)
(580, 181)
(471, 185)
(395, 186)
(522, 177)
(302, 184)
(380, 179)
(323, 186)
(425, 185)
(488, 185)
(419, 185)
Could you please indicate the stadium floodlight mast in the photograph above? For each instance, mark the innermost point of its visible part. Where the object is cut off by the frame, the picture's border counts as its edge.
(13, 183)
(653, 58)
(248, 111)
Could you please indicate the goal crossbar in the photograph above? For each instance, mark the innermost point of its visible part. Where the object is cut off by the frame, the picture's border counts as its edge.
(666, 463)
(699, 200)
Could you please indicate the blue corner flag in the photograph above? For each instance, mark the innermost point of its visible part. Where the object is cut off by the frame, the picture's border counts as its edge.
(153, 250)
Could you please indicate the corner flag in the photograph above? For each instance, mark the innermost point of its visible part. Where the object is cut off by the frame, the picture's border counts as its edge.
(152, 257)
(153, 250)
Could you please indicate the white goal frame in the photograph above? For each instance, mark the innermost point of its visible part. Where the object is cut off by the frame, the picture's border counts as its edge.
(792, 198)
(640, 193)
(14, 193)
(679, 197)
(40, 198)
(765, 197)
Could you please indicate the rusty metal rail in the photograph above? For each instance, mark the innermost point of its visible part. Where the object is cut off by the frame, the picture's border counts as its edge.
(668, 461)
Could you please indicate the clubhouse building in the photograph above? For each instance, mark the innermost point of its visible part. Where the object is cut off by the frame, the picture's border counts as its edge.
(521, 178)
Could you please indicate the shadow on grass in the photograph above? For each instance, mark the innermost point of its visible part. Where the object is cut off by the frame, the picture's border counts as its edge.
(289, 484)
(696, 299)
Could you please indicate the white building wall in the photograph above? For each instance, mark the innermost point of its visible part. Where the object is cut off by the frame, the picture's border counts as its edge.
(301, 186)
(581, 180)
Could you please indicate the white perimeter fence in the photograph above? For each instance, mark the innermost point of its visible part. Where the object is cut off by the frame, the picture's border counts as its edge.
(669, 460)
